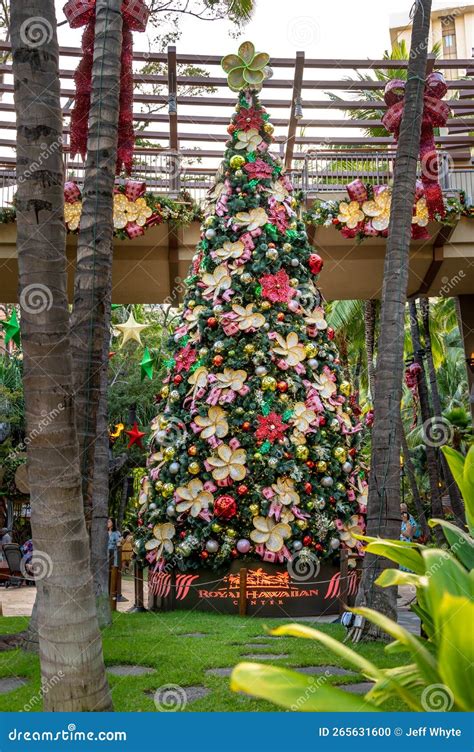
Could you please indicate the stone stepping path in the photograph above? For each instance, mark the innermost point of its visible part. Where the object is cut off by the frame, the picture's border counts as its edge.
(10, 683)
(194, 634)
(265, 656)
(254, 646)
(357, 689)
(332, 670)
(127, 670)
(219, 671)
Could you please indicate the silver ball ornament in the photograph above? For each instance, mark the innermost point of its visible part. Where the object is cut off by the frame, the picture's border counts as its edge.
(297, 546)
(347, 468)
(171, 510)
(174, 468)
(327, 481)
(334, 543)
(313, 363)
(210, 233)
(294, 262)
(212, 546)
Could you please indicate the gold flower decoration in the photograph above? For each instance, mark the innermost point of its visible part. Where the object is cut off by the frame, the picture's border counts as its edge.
(285, 491)
(350, 213)
(247, 318)
(316, 318)
(325, 385)
(230, 250)
(302, 417)
(290, 348)
(72, 214)
(248, 140)
(252, 220)
(193, 498)
(422, 215)
(231, 379)
(218, 281)
(161, 541)
(124, 211)
(143, 211)
(269, 532)
(229, 463)
(351, 528)
(214, 424)
(192, 316)
(278, 191)
(379, 209)
(198, 379)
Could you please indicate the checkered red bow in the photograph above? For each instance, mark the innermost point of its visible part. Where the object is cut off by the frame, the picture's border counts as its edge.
(82, 13)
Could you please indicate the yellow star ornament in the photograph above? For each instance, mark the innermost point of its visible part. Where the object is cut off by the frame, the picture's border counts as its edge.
(130, 330)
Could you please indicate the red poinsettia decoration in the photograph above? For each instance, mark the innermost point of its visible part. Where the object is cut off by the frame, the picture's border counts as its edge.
(278, 216)
(258, 170)
(276, 287)
(185, 358)
(248, 118)
(270, 427)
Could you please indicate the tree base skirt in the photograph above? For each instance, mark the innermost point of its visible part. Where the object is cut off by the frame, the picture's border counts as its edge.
(272, 590)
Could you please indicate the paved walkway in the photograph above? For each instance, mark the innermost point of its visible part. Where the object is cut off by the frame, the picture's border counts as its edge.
(19, 602)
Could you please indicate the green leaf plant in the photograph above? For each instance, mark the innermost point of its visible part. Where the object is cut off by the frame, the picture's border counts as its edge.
(438, 676)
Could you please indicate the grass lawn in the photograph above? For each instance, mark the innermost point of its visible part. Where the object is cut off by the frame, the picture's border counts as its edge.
(154, 640)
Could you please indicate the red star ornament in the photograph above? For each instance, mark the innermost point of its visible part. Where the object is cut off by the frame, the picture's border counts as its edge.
(135, 436)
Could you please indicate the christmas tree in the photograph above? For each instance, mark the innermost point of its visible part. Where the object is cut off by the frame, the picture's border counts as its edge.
(254, 450)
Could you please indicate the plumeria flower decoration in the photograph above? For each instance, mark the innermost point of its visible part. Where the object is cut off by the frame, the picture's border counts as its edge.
(229, 463)
(253, 219)
(214, 424)
(379, 209)
(193, 498)
(350, 214)
(269, 532)
(246, 69)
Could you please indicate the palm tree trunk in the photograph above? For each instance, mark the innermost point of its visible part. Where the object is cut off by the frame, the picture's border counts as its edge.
(370, 311)
(427, 420)
(383, 517)
(452, 489)
(69, 638)
(420, 512)
(92, 287)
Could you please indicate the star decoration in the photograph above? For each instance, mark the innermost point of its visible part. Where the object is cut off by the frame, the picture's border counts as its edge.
(130, 330)
(135, 436)
(12, 329)
(146, 365)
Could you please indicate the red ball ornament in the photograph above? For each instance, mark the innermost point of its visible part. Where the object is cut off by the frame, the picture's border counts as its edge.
(177, 379)
(140, 522)
(308, 488)
(322, 421)
(204, 555)
(310, 464)
(315, 263)
(218, 360)
(280, 316)
(225, 507)
(242, 490)
(182, 534)
(231, 128)
(246, 426)
(307, 540)
(318, 547)
(271, 245)
(352, 452)
(332, 500)
(234, 553)
(335, 221)
(212, 322)
(330, 333)
(282, 386)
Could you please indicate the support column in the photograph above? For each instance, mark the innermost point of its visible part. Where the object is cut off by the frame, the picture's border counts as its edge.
(466, 304)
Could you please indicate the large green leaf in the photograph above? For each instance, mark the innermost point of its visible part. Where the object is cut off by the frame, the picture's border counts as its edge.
(408, 677)
(295, 691)
(460, 543)
(419, 652)
(404, 555)
(462, 469)
(343, 651)
(397, 577)
(445, 575)
(456, 650)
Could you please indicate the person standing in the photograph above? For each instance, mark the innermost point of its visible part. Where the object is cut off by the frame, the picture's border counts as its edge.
(114, 540)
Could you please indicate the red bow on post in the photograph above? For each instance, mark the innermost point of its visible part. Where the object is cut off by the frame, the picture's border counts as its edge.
(435, 115)
(82, 13)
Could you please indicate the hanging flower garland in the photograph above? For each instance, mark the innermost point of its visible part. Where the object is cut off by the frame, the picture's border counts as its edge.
(135, 17)
(135, 209)
(367, 212)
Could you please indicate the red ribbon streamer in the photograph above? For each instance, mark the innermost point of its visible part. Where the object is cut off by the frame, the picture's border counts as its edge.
(82, 13)
(435, 115)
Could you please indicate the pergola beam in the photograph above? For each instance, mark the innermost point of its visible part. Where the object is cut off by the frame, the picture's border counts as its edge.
(295, 103)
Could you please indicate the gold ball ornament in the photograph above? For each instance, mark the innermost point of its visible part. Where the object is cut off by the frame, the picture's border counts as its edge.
(216, 528)
(257, 456)
(168, 490)
(287, 247)
(265, 305)
(340, 487)
(302, 524)
(345, 388)
(230, 532)
(159, 485)
(169, 453)
(268, 128)
(310, 350)
(294, 282)
(302, 453)
(321, 466)
(284, 398)
(191, 304)
(269, 384)
(209, 221)
(193, 468)
(249, 349)
(254, 509)
(165, 390)
(236, 161)
(340, 453)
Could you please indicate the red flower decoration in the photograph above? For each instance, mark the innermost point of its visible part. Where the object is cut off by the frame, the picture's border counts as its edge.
(278, 216)
(258, 169)
(185, 358)
(270, 427)
(248, 118)
(225, 507)
(276, 287)
(315, 263)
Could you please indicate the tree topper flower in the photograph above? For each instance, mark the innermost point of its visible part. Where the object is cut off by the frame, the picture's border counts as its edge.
(269, 532)
(246, 69)
(229, 463)
(215, 424)
(194, 497)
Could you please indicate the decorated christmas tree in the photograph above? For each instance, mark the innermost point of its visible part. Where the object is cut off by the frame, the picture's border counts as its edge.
(253, 453)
